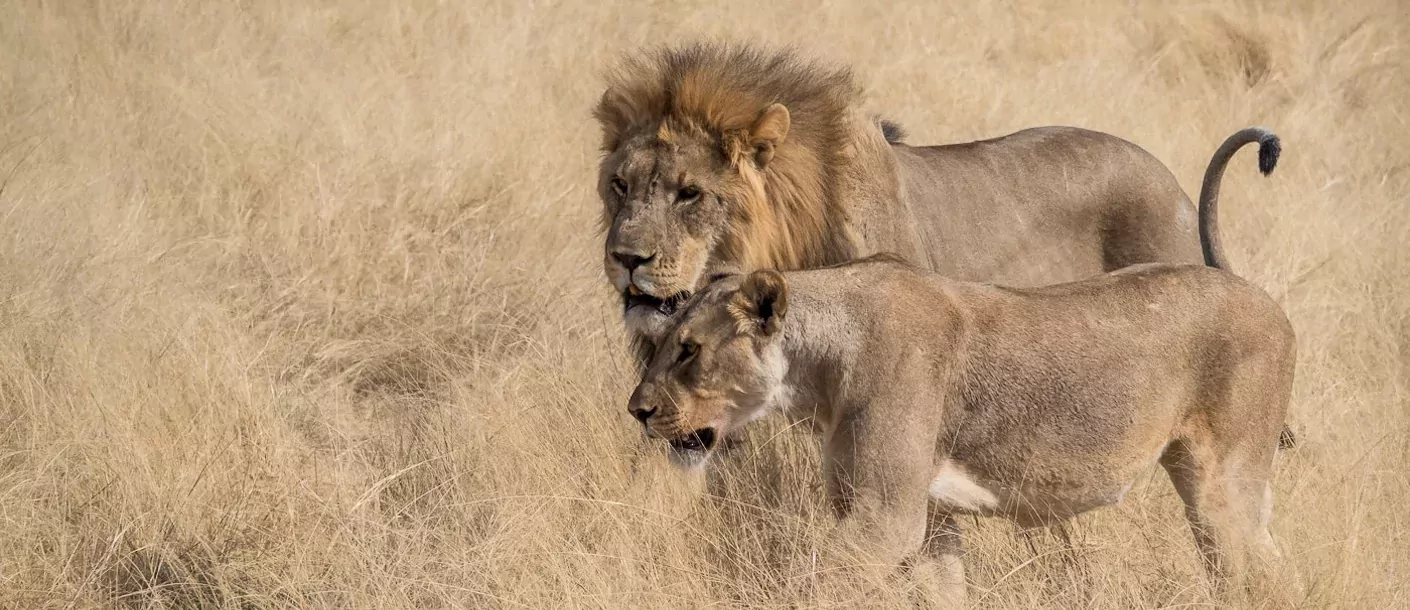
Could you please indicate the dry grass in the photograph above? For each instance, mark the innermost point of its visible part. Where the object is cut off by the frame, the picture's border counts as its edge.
(300, 305)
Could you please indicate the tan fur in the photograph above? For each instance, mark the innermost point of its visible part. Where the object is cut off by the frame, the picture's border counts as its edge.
(941, 397)
(781, 213)
(795, 176)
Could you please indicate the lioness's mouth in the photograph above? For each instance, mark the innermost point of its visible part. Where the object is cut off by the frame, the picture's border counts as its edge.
(699, 440)
(634, 297)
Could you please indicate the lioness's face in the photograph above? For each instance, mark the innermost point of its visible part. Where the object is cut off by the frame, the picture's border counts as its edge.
(720, 367)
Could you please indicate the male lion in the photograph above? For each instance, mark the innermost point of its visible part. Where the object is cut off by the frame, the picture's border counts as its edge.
(965, 398)
(726, 159)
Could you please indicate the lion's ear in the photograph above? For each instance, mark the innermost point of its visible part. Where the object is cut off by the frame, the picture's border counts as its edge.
(612, 114)
(768, 133)
(762, 302)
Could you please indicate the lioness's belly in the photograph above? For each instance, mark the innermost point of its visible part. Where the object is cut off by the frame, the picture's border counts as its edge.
(1053, 494)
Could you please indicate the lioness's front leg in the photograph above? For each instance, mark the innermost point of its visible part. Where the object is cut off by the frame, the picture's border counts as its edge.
(940, 569)
(876, 477)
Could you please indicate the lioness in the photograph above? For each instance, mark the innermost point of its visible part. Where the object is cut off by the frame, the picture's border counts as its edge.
(1032, 404)
(723, 159)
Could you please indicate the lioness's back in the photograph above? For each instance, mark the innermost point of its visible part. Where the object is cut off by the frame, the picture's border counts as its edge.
(1178, 332)
(1151, 299)
(1155, 294)
(1178, 314)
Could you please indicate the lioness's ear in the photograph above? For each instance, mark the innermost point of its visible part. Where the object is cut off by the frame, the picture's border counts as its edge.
(768, 132)
(762, 302)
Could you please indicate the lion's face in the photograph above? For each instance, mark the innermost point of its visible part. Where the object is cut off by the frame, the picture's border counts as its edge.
(720, 367)
(665, 205)
(673, 200)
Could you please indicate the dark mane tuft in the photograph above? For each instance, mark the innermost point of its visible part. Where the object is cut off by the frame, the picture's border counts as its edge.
(893, 131)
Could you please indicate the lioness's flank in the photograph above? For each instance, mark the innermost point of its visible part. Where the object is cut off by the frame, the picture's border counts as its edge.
(1031, 404)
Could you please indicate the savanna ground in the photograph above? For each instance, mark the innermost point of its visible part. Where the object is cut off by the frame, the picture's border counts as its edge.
(301, 306)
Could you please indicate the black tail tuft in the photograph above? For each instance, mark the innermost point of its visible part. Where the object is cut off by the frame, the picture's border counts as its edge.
(894, 134)
(1269, 147)
(1287, 439)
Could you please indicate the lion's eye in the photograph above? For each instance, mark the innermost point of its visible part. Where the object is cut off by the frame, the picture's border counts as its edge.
(619, 186)
(688, 194)
(688, 350)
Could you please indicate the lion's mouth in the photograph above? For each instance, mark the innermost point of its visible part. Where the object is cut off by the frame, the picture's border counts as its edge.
(634, 297)
(699, 441)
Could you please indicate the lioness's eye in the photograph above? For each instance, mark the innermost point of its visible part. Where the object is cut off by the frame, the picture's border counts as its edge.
(619, 186)
(688, 349)
(688, 193)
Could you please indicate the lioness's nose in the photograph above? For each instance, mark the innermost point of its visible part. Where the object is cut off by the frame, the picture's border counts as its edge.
(642, 414)
(631, 261)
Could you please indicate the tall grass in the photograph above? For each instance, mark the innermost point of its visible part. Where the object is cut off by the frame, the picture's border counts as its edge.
(300, 303)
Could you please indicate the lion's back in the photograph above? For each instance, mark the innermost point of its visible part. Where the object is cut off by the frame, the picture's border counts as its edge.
(991, 206)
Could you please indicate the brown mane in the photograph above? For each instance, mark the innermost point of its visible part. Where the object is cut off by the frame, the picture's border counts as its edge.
(786, 215)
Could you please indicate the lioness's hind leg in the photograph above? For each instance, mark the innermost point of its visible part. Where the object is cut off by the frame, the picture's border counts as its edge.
(1266, 579)
(1206, 505)
(1228, 503)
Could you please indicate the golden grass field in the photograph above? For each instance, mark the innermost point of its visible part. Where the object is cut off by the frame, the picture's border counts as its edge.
(302, 306)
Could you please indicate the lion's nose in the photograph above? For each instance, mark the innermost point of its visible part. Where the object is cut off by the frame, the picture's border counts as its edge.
(642, 414)
(630, 260)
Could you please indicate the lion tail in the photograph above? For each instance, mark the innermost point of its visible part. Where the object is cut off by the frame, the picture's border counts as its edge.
(1269, 147)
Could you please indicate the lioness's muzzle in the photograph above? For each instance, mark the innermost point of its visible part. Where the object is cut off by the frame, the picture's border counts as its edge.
(699, 440)
(642, 414)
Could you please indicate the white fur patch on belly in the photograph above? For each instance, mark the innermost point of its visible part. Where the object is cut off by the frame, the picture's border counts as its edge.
(953, 487)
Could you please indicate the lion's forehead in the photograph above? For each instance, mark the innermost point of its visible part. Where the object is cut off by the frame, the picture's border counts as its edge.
(669, 160)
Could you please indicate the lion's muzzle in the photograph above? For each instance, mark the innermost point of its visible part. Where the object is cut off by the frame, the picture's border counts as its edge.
(666, 306)
(641, 288)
